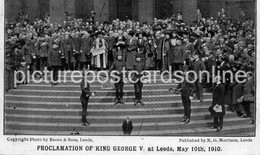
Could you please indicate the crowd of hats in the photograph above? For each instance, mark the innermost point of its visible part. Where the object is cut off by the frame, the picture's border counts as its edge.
(205, 29)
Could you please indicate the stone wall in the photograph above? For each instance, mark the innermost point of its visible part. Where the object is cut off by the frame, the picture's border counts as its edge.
(143, 10)
(189, 9)
(210, 8)
(101, 7)
(12, 8)
(57, 9)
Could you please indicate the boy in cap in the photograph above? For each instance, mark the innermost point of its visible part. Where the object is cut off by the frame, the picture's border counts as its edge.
(127, 126)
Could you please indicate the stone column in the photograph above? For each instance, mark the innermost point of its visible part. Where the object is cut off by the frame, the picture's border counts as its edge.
(189, 10)
(146, 10)
(135, 9)
(70, 7)
(101, 7)
(12, 8)
(32, 9)
(57, 9)
(112, 10)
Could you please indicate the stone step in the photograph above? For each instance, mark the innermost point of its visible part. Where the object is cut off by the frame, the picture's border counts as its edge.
(156, 73)
(76, 118)
(104, 105)
(227, 130)
(77, 81)
(95, 85)
(127, 98)
(100, 112)
(144, 127)
(78, 92)
(92, 87)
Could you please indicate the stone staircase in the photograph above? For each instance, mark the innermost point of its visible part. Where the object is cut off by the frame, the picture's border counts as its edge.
(39, 108)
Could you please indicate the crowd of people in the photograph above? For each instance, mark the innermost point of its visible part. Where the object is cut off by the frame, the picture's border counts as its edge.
(227, 44)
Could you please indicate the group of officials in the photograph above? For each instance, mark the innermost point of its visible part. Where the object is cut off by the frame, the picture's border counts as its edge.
(165, 44)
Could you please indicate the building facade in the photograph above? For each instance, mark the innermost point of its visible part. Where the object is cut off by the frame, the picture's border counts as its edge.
(142, 10)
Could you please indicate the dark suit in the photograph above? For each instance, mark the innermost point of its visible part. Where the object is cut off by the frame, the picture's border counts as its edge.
(54, 61)
(67, 50)
(84, 97)
(121, 46)
(139, 67)
(127, 127)
(248, 93)
(218, 93)
(185, 96)
(131, 53)
(198, 66)
(85, 56)
(77, 41)
(43, 50)
(118, 66)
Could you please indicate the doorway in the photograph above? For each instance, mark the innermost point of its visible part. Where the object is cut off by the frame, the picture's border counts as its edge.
(124, 9)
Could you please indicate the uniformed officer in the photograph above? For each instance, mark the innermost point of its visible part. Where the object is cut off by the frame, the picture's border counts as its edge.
(84, 97)
(118, 66)
(198, 66)
(185, 89)
(138, 84)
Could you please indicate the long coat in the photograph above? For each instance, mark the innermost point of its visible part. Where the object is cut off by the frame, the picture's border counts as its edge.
(159, 47)
(217, 95)
(237, 92)
(178, 54)
(86, 45)
(26, 52)
(248, 90)
(44, 49)
(16, 59)
(54, 58)
(85, 91)
(127, 127)
(35, 47)
(77, 41)
(197, 66)
(131, 53)
(67, 50)
(150, 54)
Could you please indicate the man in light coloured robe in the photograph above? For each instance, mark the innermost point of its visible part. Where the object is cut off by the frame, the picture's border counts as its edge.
(99, 52)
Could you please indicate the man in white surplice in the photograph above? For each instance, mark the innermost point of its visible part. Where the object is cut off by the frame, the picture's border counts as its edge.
(99, 52)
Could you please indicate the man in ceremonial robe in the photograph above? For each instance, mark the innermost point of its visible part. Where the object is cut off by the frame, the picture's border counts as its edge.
(99, 53)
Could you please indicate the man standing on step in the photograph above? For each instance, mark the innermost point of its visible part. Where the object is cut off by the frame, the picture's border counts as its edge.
(84, 97)
(138, 67)
(217, 108)
(185, 88)
(118, 66)
(198, 66)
